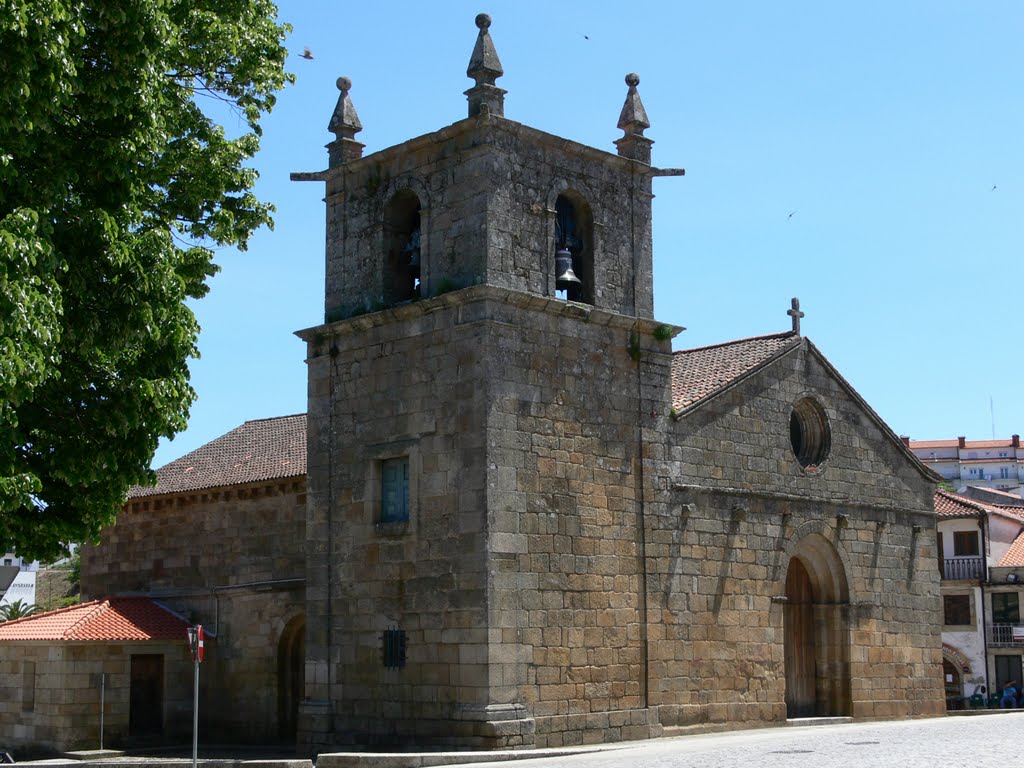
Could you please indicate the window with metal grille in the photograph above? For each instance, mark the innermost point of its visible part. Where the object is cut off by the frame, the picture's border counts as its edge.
(393, 648)
(394, 490)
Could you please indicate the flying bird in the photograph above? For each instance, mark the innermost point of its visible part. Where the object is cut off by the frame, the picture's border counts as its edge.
(993, 188)
(307, 54)
(790, 216)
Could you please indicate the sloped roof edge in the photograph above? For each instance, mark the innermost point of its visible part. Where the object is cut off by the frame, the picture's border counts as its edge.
(745, 374)
(926, 472)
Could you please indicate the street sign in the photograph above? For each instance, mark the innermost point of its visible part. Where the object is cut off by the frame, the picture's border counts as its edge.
(196, 642)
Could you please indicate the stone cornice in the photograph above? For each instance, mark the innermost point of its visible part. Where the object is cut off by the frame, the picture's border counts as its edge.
(486, 293)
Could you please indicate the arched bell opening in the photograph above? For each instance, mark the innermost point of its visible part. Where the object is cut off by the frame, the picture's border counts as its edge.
(402, 239)
(816, 632)
(574, 248)
(291, 678)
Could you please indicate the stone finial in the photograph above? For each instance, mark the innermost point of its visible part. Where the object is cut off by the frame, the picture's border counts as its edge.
(344, 125)
(485, 68)
(633, 120)
(795, 313)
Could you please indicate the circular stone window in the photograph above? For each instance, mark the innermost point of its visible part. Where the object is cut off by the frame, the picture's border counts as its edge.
(809, 433)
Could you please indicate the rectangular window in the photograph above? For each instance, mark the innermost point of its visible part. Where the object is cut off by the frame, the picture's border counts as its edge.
(28, 686)
(1004, 472)
(1005, 608)
(965, 543)
(957, 610)
(393, 650)
(394, 490)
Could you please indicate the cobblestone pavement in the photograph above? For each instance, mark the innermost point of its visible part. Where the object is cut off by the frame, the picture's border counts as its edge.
(977, 742)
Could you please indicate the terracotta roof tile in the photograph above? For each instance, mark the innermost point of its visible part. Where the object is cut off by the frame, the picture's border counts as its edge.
(954, 443)
(262, 449)
(700, 373)
(952, 505)
(1014, 556)
(113, 619)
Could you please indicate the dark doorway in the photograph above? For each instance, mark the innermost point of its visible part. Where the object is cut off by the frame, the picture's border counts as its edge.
(1008, 670)
(954, 688)
(146, 696)
(291, 661)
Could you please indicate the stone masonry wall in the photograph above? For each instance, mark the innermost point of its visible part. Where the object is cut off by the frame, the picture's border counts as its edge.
(408, 382)
(735, 506)
(50, 693)
(230, 559)
(571, 388)
(487, 191)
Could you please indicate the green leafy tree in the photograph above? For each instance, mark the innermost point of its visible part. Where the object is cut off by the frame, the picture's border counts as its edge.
(115, 185)
(17, 610)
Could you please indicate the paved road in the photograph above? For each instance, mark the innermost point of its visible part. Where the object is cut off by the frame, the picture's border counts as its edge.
(986, 741)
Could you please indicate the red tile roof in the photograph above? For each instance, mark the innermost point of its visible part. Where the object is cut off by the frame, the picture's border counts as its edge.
(113, 619)
(952, 505)
(700, 373)
(1014, 556)
(955, 443)
(917, 444)
(262, 449)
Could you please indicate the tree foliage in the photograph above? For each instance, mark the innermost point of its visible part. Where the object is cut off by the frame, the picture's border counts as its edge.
(18, 609)
(115, 185)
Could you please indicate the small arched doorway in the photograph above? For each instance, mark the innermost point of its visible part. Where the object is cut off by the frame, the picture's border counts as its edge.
(291, 662)
(816, 632)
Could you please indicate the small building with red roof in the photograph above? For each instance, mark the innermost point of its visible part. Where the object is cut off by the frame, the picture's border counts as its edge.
(127, 655)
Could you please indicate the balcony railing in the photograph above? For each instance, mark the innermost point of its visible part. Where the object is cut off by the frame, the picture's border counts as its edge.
(964, 568)
(1006, 634)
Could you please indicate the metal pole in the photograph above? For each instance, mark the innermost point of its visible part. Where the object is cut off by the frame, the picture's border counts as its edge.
(103, 696)
(195, 714)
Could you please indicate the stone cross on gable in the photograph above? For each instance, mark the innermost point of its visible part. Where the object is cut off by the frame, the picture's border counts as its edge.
(796, 314)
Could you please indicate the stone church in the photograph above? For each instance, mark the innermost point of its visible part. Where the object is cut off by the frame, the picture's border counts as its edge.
(529, 522)
(526, 521)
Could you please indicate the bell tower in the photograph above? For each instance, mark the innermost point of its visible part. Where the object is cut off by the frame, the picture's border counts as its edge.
(475, 404)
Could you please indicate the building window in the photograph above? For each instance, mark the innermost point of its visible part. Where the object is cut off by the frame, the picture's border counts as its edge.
(393, 648)
(394, 490)
(1005, 608)
(28, 686)
(1004, 472)
(8, 561)
(965, 543)
(809, 433)
(956, 610)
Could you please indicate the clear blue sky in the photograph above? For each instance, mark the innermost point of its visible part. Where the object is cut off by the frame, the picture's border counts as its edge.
(881, 126)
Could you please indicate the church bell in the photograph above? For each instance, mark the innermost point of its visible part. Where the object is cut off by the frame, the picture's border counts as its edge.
(565, 278)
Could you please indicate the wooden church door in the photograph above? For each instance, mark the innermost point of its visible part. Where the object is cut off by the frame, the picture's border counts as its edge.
(800, 652)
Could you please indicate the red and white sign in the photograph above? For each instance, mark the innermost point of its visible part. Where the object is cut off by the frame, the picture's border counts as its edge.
(196, 642)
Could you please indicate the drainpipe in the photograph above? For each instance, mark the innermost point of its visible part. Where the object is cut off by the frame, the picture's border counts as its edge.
(982, 520)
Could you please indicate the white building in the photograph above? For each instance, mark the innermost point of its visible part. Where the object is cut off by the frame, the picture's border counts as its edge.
(981, 561)
(962, 462)
(21, 564)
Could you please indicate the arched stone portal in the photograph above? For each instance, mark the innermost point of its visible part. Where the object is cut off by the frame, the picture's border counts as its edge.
(291, 659)
(816, 631)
